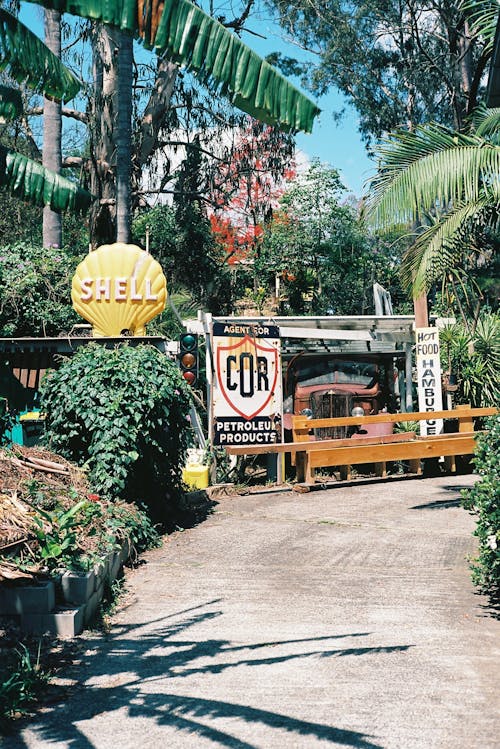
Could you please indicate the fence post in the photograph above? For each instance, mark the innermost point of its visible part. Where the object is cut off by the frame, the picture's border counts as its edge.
(465, 423)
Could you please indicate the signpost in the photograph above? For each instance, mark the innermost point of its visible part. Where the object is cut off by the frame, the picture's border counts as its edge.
(247, 390)
(430, 396)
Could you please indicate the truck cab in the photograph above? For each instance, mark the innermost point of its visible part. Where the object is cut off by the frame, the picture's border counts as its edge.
(330, 386)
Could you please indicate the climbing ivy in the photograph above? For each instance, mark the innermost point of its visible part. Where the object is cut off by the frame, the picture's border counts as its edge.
(123, 414)
(483, 500)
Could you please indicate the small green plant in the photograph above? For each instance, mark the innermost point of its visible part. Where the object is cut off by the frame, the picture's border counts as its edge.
(483, 500)
(114, 590)
(57, 534)
(6, 421)
(135, 524)
(257, 297)
(23, 682)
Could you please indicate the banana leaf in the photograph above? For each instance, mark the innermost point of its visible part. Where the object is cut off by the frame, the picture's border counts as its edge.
(29, 61)
(30, 181)
(11, 103)
(218, 57)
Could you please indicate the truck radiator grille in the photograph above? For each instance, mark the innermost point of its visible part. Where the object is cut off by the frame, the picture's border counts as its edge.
(329, 405)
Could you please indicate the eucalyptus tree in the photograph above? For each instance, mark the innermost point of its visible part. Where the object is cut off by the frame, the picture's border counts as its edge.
(52, 132)
(399, 63)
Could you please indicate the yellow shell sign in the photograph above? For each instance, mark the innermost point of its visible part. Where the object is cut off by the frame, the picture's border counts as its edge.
(119, 288)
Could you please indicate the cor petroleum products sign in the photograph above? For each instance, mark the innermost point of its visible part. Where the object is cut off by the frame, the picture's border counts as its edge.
(247, 395)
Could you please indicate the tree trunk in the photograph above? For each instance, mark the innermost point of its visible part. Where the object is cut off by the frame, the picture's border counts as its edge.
(124, 138)
(102, 107)
(52, 130)
(156, 109)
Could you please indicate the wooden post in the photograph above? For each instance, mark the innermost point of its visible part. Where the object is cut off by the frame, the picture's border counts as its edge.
(415, 466)
(421, 314)
(345, 473)
(408, 404)
(464, 424)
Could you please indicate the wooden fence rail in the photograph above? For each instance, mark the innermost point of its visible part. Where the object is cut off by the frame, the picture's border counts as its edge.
(406, 446)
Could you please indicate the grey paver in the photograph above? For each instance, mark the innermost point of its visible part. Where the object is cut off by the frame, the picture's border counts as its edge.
(343, 617)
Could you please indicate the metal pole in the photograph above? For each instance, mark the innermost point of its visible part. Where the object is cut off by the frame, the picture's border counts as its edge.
(207, 330)
(408, 378)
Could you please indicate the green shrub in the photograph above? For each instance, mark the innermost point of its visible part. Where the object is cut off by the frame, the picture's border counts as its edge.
(475, 359)
(123, 414)
(35, 282)
(483, 500)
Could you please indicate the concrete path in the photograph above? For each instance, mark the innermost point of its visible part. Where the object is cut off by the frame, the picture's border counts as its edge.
(343, 617)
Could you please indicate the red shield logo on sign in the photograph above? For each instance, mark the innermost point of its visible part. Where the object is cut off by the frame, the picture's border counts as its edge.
(246, 375)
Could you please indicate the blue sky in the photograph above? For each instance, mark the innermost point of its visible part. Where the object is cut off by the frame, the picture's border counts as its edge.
(336, 142)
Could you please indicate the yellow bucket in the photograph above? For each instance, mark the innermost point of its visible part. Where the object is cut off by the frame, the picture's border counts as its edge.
(195, 476)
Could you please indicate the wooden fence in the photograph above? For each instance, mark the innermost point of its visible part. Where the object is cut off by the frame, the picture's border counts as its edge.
(310, 454)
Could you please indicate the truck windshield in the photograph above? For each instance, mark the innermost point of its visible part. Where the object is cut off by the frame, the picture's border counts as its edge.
(339, 372)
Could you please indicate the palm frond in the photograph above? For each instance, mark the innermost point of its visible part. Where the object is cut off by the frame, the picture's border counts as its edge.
(485, 122)
(11, 103)
(436, 249)
(483, 17)
(428, 167)
(218, 57)
(29, 61)
(30, 181)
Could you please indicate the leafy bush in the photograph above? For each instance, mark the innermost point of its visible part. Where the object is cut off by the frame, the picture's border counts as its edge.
(483, 500)
(122, 413)
(475, 358)
(35, 290)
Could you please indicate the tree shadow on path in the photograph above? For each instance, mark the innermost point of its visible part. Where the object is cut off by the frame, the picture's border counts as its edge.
(135, 672)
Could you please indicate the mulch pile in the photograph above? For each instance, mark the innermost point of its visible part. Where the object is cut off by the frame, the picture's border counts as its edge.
(31, 475)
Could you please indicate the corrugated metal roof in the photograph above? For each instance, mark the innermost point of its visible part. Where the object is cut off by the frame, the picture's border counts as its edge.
(348, 334)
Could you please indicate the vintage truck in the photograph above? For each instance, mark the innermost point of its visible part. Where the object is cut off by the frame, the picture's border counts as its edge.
(332, 385)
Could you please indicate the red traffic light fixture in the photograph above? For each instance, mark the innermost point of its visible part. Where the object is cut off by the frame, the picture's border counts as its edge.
(188, 357)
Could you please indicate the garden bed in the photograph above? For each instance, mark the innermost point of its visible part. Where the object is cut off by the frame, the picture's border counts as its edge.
(60, 544)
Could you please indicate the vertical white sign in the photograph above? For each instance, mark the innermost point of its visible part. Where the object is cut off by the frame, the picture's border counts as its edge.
(430, 396)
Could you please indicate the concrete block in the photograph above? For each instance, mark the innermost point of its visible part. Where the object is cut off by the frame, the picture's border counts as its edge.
(26, 599)
(108, 565)
(93, 604)
(78, 587)
(115, 565)
(99, 572)
(63, 622)
(126, 550)
(31, 624)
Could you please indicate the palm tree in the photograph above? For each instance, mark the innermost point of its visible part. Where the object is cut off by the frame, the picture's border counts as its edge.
(446, 184)
(29, 61)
